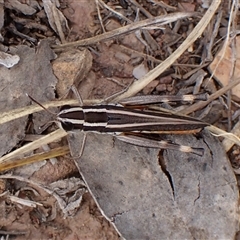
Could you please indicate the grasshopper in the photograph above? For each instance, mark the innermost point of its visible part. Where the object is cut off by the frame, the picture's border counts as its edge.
(130, 124)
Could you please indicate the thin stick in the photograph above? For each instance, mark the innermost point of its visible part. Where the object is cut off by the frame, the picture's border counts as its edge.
(99, 15)
(14, 233)
(141, 8)
(127, 29)
(215, 95)
(115, 12)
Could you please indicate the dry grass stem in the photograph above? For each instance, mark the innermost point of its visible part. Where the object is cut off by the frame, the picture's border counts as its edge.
(56, 152)
(99, 15)
(127, 29)
(229, 142)
(201, 104)
(230, 138)
(21, 112)
(58, 134)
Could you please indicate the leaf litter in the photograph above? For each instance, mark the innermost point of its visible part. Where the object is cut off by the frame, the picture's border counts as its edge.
(142, 193)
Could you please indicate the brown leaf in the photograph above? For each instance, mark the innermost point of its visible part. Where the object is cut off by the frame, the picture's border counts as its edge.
(223, 63)
(19, 7)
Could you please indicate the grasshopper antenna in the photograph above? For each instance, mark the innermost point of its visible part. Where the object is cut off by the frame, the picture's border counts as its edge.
(34, 100)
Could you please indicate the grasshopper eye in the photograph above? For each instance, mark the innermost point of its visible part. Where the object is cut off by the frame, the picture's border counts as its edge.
(67, 126)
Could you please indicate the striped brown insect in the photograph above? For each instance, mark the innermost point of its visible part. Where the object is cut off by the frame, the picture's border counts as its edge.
(134, 125)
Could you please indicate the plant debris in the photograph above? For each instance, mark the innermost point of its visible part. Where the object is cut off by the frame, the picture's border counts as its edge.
(111, 50)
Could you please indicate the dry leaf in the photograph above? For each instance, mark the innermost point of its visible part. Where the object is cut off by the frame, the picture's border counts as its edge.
(19, 7)
(225, 66)
(70, 191)
(56, 19)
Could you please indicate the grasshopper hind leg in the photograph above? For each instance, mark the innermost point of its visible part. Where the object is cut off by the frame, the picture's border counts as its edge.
(142, 141)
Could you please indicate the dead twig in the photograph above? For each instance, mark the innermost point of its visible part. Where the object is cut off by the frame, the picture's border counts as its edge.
(99, 15)
(141, 8)
(163, 5)
(202, 104)
(13, 233)
(115, 12)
